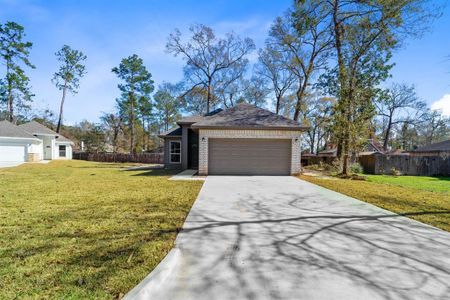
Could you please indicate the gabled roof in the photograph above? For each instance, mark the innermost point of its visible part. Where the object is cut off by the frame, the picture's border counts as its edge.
(36, 128)
(174, 132)
(328, 152)
(376, 145)
(247, 116)
(8, 129)
(436, 147)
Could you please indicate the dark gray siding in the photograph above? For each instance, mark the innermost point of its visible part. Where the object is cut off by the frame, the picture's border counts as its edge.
(167, 151)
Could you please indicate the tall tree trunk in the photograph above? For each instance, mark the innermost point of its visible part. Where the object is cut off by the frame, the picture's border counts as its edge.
(319, 137)
(61, 107)
(301, 94)
(10, 104)
(312, 138)
(143, 133)
(115, 135)
(277, 108)
(132, 129)
(342, 149)
(387, 134)
(208, 102)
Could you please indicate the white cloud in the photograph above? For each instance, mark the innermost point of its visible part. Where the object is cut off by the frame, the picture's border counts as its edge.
(442, 104)
(27, 8)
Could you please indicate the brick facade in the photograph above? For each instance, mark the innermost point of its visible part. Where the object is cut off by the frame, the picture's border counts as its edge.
(33, 157)
(205, 134)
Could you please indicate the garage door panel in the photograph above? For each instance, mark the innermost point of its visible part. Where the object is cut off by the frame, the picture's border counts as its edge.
(249, 157)
(12, 153)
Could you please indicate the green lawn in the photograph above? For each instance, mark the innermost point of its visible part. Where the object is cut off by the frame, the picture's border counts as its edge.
(432, 184)
(412, 196)
(84, 230)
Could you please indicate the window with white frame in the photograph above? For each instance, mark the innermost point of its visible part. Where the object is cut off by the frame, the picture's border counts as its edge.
(175, 151)
(62, 150)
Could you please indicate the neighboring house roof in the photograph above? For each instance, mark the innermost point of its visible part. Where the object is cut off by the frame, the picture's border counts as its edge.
(397, 152)
(36, 128)
(8, 129)
(376, 146)
(174, 132)
(436, 147)
(328, 152)
(247, 116)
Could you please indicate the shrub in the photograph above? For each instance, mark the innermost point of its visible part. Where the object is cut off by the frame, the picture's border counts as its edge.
(334, 167)
(315, 167)
(356, 168)
(395, 172)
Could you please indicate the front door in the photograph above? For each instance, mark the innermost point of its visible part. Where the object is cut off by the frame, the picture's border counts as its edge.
(192, 149)
(47, 144)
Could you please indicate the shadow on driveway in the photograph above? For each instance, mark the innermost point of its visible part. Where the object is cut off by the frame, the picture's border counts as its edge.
(282, 238)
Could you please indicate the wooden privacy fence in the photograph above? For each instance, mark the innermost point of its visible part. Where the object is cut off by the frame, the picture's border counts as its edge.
(148, 158)
(407, 165)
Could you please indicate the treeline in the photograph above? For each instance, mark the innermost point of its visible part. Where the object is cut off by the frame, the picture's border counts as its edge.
(324, 63)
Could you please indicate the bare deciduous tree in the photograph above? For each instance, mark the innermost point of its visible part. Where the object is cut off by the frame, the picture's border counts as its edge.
(206, 55)
(305, 44)
(399, 104)
(272, 65)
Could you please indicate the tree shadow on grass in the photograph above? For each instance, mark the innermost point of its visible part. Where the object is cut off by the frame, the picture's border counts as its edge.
(156, 172)
(444, 178)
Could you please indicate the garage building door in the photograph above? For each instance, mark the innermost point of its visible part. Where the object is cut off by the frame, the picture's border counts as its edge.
(12, 152)
(249, 157)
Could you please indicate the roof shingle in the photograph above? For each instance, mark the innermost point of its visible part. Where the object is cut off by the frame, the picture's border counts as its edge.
(247, 116)
(436, 147)
(174, 132)
(8, 129)
(34, 127)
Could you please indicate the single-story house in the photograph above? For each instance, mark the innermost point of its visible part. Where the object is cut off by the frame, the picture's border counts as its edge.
(436, 149)
(242, 140)
(32, 142)
(327, 156)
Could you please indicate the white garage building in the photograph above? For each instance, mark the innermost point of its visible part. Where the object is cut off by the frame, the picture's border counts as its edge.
(31, 142)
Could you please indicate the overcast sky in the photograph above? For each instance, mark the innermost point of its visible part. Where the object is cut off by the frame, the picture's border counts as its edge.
(107, 31)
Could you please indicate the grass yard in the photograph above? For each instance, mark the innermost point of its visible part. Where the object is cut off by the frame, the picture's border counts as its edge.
(85, 230)
(432, 184)
(425, 199)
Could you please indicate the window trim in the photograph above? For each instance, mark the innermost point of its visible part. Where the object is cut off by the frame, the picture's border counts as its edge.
(170, 152)
(59, 150)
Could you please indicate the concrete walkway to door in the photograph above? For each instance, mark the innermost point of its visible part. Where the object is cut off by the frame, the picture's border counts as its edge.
(283, 238)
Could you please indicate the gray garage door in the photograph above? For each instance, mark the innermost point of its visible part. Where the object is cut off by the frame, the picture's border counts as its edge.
(249, 157)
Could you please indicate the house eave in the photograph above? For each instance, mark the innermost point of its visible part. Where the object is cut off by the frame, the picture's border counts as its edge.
(46, 134)
(169, 136)
(19, 138)
(287, 128)
(64, 142)
(186, 123)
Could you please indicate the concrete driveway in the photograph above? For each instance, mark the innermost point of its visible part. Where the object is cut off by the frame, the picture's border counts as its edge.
(283, 238)
(9, 164)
